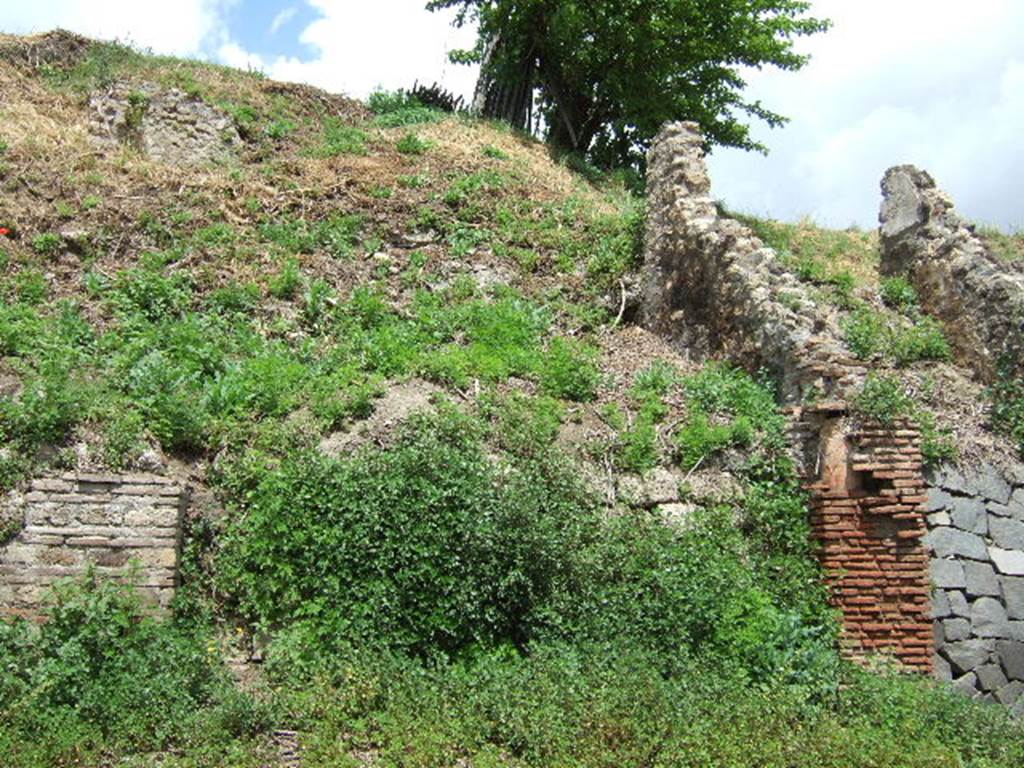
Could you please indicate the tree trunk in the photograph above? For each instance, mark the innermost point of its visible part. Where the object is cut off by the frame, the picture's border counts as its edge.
(505, 95)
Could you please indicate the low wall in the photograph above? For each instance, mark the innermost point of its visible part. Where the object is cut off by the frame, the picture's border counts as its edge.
(112, 523)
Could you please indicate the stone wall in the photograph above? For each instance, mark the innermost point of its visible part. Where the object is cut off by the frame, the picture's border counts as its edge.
(109, 522)
(714, 289)
(976, 538)
(979, 299)
(167, 125)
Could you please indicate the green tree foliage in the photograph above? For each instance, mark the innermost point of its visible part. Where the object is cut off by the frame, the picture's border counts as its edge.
(609, 73)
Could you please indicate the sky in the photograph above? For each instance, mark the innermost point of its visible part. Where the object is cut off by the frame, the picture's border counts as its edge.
(938, 83)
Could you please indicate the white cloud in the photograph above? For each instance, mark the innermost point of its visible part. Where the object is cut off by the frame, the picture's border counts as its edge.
(282, 18)
(178, 27)
(360, 46)
(931, 82)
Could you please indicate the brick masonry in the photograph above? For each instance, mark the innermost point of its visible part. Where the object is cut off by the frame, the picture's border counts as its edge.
(866, 513)
(75, 521)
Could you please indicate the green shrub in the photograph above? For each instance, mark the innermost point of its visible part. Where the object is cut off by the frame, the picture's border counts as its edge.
(884, 399)
(149, 292)
(30, 286)
(285, 284)
(898, 293)
(411, 144)
(419, 547)
(341, 139)
(924, 340)
(101, 678)
(1007, 396)
(395, 109)
(866, 333)
(639, 450)
(279, 129)
(47, 244)
(569, 369)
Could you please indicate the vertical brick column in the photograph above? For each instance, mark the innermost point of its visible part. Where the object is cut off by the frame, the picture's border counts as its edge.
(867, 513)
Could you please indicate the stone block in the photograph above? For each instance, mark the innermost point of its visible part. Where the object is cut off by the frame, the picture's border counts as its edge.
(981, 580)
(938, 499)
(958, 605)
(1017, 631)
(955, 630)
(1008, 562)
(1010, 693)
(942, 669)
(990, 677)
(939, 518)
(1011, 656)
(998, 510)
(950, 479)
(990, 483)
(969, 514)
(968, 655)
(967, 685)
(940, 605)
(989, 619)
(1013, 596)
(950, 542)
(1007, 533)
(948, 574)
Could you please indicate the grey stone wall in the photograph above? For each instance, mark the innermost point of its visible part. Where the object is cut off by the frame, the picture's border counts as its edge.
(978, 298)
(167, 125)
(976, 538)
(712, 287)
(113, 523)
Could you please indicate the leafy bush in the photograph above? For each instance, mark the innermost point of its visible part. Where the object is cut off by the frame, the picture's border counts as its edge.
(100, 676)
(925, 340)
(341, 139)
(899, 294)
(423, 547)
(395, 109)
(1007, 396)
(569, 370)
(411, 144)
(865, 332)
(47, 244)
(884, 399)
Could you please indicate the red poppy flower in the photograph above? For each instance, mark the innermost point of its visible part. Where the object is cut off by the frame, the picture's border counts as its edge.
(4, 231)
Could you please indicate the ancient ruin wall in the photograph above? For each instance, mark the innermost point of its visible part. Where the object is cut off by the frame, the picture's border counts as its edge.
(112, 523)
(712, 287)
(975, 513)
(866, 514)
(976, 543)
(979, 299)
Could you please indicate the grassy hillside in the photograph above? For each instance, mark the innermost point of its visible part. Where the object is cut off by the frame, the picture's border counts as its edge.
(390, 350)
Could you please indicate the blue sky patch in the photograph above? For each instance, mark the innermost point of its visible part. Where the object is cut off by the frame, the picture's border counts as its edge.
(271, 28)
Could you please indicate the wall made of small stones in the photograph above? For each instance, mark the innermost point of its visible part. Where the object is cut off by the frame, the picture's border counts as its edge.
(976, 542)
(112, 523)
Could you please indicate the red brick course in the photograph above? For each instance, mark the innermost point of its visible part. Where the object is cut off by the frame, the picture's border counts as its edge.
(866, 513)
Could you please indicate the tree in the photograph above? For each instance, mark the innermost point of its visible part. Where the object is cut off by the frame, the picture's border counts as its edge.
(606, 74)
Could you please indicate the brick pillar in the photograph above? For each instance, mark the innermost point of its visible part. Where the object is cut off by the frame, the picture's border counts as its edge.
(866, 512)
